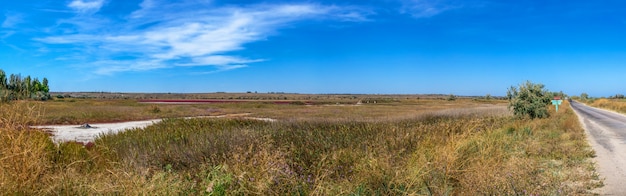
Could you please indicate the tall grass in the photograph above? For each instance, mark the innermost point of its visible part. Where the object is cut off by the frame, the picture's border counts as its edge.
(24, 154)
(426, 155)
(431, 154)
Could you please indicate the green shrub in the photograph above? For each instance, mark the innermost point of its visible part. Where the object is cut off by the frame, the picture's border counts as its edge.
(451, 97)
(529, 100)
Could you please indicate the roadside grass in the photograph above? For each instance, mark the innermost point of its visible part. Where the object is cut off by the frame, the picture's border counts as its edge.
(453, 151)
(617, 105)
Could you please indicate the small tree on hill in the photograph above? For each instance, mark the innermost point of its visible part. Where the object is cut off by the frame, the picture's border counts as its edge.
(529, 100)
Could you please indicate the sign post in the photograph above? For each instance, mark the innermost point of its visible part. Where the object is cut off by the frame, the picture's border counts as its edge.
(556, 102)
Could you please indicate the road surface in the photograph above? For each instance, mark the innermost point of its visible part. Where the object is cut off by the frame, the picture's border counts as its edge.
(606, 132)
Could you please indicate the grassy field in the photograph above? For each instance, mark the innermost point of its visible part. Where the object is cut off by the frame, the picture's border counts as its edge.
(79, 111)
(618, 105)
(407, 146)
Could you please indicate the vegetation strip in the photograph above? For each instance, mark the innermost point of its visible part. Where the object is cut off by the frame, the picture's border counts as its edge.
(427, 154)
(199, 101)
(16, 87)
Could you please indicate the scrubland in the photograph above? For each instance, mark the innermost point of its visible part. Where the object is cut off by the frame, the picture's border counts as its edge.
(410, 147)
(618, 105)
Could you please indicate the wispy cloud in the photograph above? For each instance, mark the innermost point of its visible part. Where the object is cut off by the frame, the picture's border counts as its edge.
(219, 60)
(10, 20)
(86, 6)
(8, 29)
(426, 8)
(196, 34)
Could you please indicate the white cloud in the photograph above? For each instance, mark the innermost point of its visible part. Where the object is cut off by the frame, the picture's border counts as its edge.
(86, 6)
(298, 10)
(108, 67)
(353, 16)
(145, 5)
(11, 20)
(425, 8)
(220, 60)
(69, 39)
(155, 37)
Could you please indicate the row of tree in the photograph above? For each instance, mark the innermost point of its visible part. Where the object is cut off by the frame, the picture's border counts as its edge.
(585, 96)
(16, 87)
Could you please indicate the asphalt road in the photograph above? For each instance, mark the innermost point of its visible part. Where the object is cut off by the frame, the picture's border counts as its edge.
(606, 132)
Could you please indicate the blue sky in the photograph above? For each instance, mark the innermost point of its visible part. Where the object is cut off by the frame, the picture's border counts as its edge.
(463, 47)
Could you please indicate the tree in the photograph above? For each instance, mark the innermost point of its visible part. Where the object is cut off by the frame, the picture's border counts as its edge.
(15, 85)
(18, 87)
(13, 82)
(529, 100)
(27, 87)
(488, 96)
(37, 85)
(45, 87)
(3, 79)
(584, 96)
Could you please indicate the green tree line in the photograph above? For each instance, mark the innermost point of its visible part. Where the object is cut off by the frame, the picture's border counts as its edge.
(16, 87)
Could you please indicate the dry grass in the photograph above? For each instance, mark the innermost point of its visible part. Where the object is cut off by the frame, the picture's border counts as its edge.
(79, 111)
(545, 157)
(419, 148)
(24, 154)
(618, 105)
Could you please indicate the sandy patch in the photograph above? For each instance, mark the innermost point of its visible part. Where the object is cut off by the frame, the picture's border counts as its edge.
(66, 133)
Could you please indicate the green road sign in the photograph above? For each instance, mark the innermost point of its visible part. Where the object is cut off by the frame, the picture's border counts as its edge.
(556, 103)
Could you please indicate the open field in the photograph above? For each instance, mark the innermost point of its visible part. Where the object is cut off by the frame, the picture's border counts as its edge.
(400, 146)
(617, 105)
(78, 111)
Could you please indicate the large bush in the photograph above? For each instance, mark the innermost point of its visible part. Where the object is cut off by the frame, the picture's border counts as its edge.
(529, 100)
